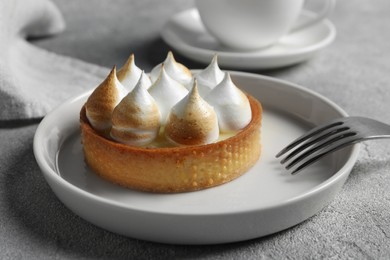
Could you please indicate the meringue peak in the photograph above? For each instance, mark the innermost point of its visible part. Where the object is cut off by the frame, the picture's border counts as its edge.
(212, 74)
(209, 77)
(192, 121)
(176, 70)
(166, 92)
(129, 74)
(103, 100)
(136, 119)
(231, 105)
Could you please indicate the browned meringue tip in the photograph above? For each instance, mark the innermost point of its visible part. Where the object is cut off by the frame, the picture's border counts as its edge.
(194, 91)
(111, 77)
(102, 101)
(113, 71)
(183, 67)
(195, 126)
(215, 58)
(126, 68)
(170, 55)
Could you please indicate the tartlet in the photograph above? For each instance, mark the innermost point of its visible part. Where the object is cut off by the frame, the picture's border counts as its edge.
(165, 137)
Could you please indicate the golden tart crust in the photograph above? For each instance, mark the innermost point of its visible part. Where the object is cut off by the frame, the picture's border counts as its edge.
(173, 169)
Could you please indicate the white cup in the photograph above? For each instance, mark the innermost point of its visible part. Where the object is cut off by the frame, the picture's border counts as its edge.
(254, 24)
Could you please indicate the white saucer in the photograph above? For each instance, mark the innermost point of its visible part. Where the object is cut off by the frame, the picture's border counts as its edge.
(185, 33)
(265, 200)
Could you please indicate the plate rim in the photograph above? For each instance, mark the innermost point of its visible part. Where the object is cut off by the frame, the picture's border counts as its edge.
(48, 172)
(190, 50)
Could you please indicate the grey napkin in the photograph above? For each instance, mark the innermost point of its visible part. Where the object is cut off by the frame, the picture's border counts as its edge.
(32, 80)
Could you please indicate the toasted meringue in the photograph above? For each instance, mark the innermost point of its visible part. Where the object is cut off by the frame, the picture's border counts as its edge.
(231, 105)
(103, 100)
(129, 74)
(167, 92)
(210, 77)
(176, 70)
(192, 121)
(136, 119)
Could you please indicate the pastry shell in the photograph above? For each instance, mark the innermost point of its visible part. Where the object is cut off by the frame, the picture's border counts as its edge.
(173, 169)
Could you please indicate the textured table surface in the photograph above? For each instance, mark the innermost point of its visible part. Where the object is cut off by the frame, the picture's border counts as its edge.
(353, 72)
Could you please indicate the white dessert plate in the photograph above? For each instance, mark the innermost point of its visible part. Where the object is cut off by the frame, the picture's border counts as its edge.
(265, 200)
(185, 33)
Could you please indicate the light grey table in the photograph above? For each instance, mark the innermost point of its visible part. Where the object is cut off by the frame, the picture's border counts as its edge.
(354, 72)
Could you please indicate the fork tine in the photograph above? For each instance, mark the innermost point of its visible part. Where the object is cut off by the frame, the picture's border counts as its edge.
(322, 144)
(314, 139)
(312, 132)
(331, 148)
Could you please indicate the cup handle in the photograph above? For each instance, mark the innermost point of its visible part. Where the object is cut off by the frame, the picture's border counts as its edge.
(329, 6)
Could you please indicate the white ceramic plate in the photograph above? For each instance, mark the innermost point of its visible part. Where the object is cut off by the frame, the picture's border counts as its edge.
(265, 200)
(185, 33)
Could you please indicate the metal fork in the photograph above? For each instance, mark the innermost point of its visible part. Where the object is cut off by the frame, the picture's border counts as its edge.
(330, 137)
